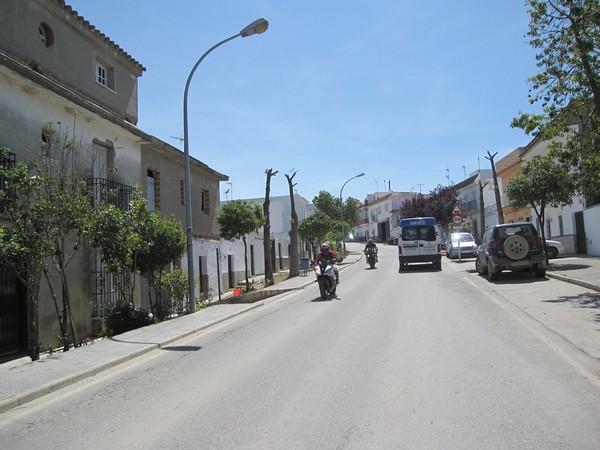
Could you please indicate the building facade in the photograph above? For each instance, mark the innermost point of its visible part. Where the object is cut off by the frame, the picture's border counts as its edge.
(61, 76)
(280, 219)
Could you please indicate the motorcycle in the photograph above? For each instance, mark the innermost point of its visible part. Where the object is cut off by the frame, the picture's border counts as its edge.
(325, 277)
(371, 254)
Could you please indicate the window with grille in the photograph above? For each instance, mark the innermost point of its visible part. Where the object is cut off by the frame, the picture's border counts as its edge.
(205, 202)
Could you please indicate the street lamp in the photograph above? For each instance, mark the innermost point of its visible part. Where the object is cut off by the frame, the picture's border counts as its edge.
(257, 27)
(342, 208)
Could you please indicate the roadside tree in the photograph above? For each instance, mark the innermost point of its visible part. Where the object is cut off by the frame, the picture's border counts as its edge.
(135, 240)
(315, 228)
(267, 229)
(47, 203)
(499, 211)
(294, 255)
(25, 240)
(567, 37)
(165, 243)
(543, 182)
(351, 212)
(329, 204)
(238, 218)
(415, 206)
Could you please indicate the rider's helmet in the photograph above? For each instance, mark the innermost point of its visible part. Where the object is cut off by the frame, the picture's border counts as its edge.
(370, 241)
(325, 248)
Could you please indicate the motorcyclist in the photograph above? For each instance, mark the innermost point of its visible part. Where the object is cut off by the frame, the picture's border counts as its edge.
(369, 245)
(330, 255)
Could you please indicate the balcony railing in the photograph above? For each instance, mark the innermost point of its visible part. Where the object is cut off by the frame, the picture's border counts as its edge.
(107, 192)
(470, 205)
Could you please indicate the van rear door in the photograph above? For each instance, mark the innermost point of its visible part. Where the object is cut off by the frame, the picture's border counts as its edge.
(419, 242)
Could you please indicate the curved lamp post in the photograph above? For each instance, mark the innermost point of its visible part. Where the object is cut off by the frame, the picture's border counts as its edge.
(257, 27)
(342, 208)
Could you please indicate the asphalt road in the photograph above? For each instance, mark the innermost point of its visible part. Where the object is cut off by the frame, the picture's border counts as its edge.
(419, 359)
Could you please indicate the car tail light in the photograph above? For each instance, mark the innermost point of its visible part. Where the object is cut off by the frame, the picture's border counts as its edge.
(494, 245)
(399, 250)
(439, 247)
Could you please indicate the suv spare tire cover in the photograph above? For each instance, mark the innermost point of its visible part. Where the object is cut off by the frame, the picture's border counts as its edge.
(516, 247)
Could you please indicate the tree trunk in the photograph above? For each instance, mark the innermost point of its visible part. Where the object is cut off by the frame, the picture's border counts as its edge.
(63, 332)
(246, 263)
(267, 230)
(294, 256)
(482, 185)
(499, 211)
(66, 298)
(32, 278)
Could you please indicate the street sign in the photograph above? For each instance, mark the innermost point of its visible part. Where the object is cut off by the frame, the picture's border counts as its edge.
(456, 210)
(456, 219)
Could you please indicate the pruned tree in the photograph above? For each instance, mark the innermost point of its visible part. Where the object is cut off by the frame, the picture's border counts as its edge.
(482, 185)
(267, 230)
(238, 218)
(543, 182)
(499, 211)
(294, 255)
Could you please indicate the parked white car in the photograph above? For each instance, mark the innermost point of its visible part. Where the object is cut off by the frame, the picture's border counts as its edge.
(554, 248)
(461, 244)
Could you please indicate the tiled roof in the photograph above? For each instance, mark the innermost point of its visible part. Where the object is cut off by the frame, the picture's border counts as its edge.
(98, 33)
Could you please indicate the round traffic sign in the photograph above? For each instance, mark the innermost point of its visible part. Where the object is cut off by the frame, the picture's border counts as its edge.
(456, 219)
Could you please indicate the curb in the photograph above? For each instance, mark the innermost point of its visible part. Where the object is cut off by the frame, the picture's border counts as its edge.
(572, 280)
(53, 386)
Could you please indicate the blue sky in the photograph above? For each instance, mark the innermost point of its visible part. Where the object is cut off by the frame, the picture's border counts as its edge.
(412, 93)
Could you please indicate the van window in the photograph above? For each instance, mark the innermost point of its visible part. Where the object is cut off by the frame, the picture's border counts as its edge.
(419, 233)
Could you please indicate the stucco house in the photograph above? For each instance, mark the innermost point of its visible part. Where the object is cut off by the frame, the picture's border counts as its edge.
(575, 225)
(379, 216)
(57, 73)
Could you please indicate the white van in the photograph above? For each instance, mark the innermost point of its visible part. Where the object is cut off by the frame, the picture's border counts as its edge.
(419, 242)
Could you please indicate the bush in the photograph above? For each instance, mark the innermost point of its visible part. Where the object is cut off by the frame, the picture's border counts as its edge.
(124, 317)
(175, 285)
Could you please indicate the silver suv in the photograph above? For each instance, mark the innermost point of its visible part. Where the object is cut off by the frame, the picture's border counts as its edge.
(511, 246)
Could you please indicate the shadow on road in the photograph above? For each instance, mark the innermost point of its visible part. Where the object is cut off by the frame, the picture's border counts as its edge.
(182, 348)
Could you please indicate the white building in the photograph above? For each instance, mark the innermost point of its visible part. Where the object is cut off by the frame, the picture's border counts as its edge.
(378, 216)
(280, 217)
(577, 225)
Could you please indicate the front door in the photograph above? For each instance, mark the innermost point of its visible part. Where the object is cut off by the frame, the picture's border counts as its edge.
(13, 315)
(580, 233)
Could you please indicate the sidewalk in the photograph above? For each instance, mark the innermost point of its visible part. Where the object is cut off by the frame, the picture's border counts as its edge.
(22, 381)
(577, 269)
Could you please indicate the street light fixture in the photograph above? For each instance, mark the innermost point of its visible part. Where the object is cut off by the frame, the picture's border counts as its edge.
(342, 208)
(257, 27)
